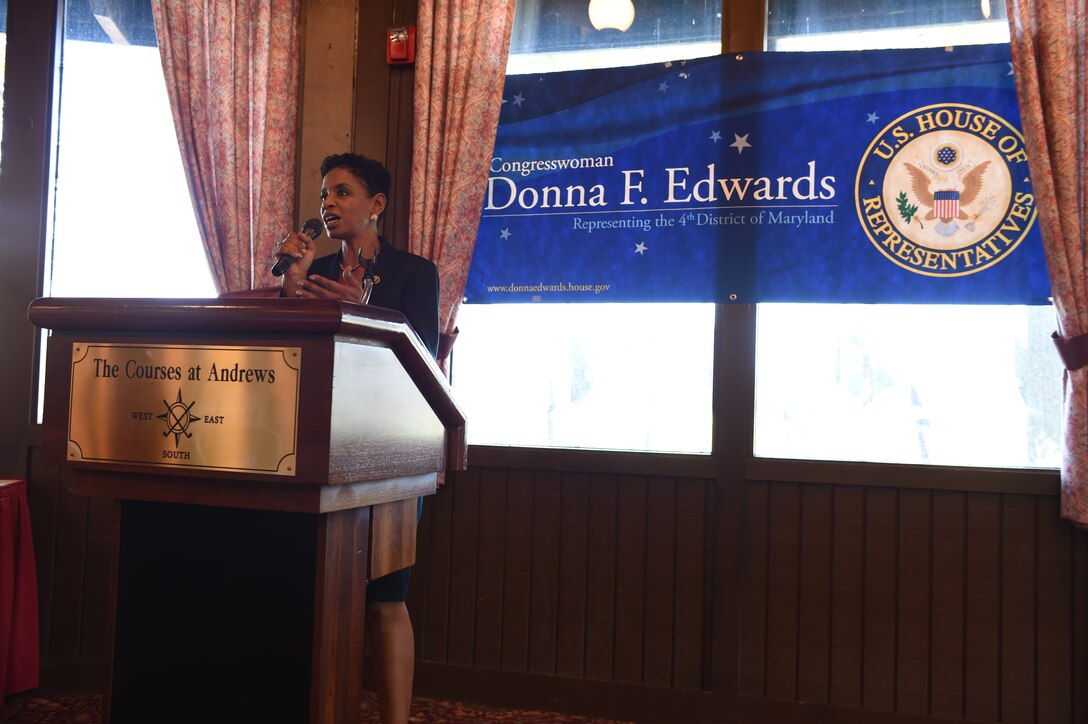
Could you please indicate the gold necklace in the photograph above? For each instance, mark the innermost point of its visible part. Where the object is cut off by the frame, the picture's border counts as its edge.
(366, 262)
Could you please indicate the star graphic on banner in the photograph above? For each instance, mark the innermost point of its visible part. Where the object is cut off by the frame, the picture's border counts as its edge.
(640, 248)
(740, 143)
(504, 234)
(1010, 68)
(663, 86)
(716, 136)
(519, 99)
(872, 117)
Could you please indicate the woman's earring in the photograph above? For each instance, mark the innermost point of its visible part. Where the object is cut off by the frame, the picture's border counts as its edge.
(373, 216)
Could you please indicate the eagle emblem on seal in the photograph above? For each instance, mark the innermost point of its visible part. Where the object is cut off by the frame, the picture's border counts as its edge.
(948, 200)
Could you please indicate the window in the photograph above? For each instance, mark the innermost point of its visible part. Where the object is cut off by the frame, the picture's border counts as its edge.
(556, 35)
(871, 24)
(948, 385)
(608, 376)
(605, 376)
(123, 221)
(956, 385)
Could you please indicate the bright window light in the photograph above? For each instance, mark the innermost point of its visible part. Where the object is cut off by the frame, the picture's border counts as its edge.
(805, 25)
(923, 36)
(605, 376)
(124, 223)
(607, 58)
(946, 385)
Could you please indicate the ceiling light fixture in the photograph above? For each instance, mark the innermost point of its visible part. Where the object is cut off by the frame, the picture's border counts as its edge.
(618, 14)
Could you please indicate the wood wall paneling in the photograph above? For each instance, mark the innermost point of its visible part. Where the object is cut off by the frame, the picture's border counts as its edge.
(544, 572)
(814, 605)
(693, 546)
(902, 604)
(516, 571)
(69, 594)
(1018, 615)
(572, 596)
(1054, 595)
(601, 557)
(1079, 627)
(847, 595)
(783, 589)
(913, 615)
(43, 499)
(880, 580)
(464, 571)
(948, 606)
(438, 519)
(101, 524)
(490, 565)
(659, 624)
(751, 676)
(983, 616)
(630, 611)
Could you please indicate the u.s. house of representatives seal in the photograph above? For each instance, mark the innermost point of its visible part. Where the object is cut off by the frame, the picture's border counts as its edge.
(944, 190)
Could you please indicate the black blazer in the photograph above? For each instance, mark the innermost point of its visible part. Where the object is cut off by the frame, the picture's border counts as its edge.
(403, 282)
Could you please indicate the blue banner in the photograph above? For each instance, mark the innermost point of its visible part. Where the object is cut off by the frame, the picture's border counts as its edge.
(894, 176)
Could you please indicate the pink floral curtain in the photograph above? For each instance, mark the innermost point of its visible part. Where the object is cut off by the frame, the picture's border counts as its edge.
(1049, 57)
(232, 75)
(460, 70)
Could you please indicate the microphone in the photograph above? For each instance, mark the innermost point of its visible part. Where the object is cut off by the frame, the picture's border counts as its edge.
(312, 228)
(368, 280)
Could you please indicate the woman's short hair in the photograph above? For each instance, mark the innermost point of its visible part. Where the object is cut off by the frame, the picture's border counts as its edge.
(371, 173)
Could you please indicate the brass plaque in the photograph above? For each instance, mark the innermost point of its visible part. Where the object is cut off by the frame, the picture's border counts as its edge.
(185, 406)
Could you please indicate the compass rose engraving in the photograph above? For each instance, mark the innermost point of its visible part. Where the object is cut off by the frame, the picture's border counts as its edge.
(178, 418)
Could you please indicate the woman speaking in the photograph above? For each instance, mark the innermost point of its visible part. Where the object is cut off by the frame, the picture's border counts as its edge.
(367, 269)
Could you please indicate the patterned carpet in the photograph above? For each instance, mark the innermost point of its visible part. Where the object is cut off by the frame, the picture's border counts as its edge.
(86, 709)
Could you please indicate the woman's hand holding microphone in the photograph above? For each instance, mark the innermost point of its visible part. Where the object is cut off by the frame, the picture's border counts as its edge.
(296, 253)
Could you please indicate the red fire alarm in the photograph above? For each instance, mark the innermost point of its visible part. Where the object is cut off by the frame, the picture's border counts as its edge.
(400, 45)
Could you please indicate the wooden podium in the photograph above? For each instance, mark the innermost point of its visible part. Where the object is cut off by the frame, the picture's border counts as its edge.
(266, 456)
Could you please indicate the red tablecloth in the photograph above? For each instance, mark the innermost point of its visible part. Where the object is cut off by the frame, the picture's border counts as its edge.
(18, 593)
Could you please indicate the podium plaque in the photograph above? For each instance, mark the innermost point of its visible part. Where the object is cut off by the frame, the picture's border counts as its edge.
(190, 406)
